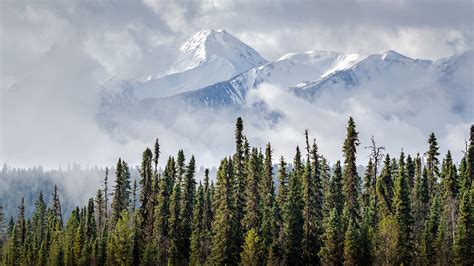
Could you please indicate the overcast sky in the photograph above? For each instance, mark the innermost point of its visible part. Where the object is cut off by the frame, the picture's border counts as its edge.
(54, 53)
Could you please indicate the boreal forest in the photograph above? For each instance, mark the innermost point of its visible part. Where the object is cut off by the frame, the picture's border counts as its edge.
(410, 209)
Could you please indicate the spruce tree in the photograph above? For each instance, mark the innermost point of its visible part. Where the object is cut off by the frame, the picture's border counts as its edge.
(57, 205)
(351, 248)
(331, 252)
(351, 178)
(146, 195)
(294, 214)
(432, 163)
(402, 212)
(312, 209)
(161, 215)
(174, 233)
(464, 234)
(279, 238)
(251, 249)
(224, 242)
(120, 241)
(239, 159)
(267, 190)
(385, 190)
(252, 211)
(121, 198)
(198, 255)
(428, 248)
(186, 215)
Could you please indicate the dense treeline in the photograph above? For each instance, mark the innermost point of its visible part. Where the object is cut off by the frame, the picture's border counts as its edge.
(411, 210)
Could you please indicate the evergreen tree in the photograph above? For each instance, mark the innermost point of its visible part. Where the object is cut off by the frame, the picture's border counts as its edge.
(402, 212)
(267, 190)
(294, 214)
(335, 196)
(57, 205)
(351, 178)
(174, 230)
(449, 194)
(186, 216)
(251, 249)
(331, 252)
(198, 255)
(120, 241)
(312, 209)
(350, 244)
(156, 156)
(162, 214)
(385, 190)
(432, 163)
(146, 194)
(239, 185)
(387, 237)
(252, 211)
(279, 239)
(464, 235)
(224, 242)
(121, 198)
(428, 248)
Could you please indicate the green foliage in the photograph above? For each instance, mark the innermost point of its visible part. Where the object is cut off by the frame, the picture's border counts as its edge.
(251, 250)
(314, 215)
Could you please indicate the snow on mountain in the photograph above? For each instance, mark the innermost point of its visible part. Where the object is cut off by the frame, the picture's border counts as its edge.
(208, 57)
(207, 45)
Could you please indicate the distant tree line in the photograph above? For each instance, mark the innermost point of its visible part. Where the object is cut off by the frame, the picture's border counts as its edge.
(414, 210)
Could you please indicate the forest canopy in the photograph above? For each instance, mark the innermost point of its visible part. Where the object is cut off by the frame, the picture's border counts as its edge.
(411, 209)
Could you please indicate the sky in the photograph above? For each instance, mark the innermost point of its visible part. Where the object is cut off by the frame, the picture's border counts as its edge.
(54, 54)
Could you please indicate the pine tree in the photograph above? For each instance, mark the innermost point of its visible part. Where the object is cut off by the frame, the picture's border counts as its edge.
(189, 187)
(402, 212)
(224, 242)
(351, 178)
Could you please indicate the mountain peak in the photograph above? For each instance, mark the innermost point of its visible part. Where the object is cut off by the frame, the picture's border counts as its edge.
(209, 45)
(393, 55)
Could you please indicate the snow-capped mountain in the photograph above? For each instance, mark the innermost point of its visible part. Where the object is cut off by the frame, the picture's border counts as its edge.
(388, 81)
(290, 70)
(207, 57)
